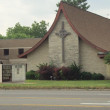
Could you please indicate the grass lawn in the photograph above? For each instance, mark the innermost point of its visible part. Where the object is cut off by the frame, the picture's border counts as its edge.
(43, 84)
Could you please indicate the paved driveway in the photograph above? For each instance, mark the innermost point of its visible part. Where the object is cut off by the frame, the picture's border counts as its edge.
(54, 100)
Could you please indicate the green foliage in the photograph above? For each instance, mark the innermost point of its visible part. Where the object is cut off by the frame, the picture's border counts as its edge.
(91, 76)
(32, 75)
(75, 71)
(107, 58)
(39, 29)
(86, 76)
(2, 37)
(97, 76)
(35, 31)
(18, 31)
(82, 4)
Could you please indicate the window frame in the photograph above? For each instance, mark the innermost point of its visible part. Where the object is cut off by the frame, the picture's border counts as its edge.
(20, 51)
(6, 52)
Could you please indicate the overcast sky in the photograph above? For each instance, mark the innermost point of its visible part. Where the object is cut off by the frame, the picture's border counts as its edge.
(27, 11)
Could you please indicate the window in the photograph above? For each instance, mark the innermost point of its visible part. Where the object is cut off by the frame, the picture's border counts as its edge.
(20, 51)
(6, 51)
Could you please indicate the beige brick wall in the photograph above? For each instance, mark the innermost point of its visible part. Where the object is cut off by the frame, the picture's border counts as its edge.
(89, 59)
(71, 45)
(39, 56)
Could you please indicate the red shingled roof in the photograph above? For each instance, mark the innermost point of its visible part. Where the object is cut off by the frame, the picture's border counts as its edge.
(92, 28)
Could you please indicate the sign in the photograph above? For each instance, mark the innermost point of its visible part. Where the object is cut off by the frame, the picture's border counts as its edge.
(6, 73)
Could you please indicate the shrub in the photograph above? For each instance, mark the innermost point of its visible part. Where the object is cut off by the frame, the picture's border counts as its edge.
(75, 72)
(100, 76)
(32, 75)
(90, 76)
(94, 76)
(86, 76)
(56, 73)
(45, 71)
(97, 76)
(65, 73)
(37, 76)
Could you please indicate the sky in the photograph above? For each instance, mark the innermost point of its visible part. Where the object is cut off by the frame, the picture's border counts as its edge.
(27, 11)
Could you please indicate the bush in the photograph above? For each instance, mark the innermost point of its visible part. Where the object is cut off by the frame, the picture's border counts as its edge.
(75, 72)
(61, 73)
(90, 76)
(97, 76)
(86, 76)
(57, 74)
(65, 73)
(45, 71)
(32, 75)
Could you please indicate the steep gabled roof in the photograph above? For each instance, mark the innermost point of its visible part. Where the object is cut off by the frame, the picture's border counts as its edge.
(92, 28)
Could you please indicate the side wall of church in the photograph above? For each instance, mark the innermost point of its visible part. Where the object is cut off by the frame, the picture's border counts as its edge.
(71, 45)
(39, 56)
(89, 59)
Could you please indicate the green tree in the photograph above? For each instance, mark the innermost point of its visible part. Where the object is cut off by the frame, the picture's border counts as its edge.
(2, 37)
(18, 31)
(107, 58)
(82, 4)
(39, 29)
(36, 30)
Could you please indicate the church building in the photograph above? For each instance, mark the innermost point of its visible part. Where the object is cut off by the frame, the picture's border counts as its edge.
(75, 36)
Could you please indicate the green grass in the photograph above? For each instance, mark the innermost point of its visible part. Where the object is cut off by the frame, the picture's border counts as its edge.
(43, 84)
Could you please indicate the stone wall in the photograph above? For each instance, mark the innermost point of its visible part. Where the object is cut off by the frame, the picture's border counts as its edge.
(18, 72)
(71, 45)
(39, 56)
(89, 59)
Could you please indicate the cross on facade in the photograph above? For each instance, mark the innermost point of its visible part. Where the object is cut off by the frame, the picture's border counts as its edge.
(62, 34)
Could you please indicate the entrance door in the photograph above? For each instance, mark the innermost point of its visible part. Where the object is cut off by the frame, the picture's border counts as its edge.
(6, 73)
